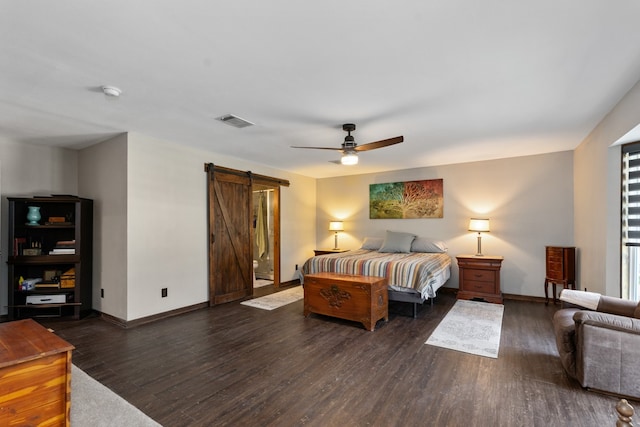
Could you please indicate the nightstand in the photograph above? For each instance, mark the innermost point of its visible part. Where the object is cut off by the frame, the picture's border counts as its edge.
(480, 277)
(329, 251)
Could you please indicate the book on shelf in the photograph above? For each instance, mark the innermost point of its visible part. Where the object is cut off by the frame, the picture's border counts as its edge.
(48, 285)
(58, 223)
(18, 244)
(67, 247)
(62, 251)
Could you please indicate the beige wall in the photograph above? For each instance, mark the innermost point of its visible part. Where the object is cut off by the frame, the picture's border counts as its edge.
(529, 201)
(597, 196)
(102, 176)
(151, 201)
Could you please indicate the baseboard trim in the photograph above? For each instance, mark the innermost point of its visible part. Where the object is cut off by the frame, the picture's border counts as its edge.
(137, 322)
(528, 298)
(514, 297)
(295, 282)
(141, 321)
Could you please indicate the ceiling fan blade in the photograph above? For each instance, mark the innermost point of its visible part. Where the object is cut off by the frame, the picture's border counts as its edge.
(319, 148)
(379, 144)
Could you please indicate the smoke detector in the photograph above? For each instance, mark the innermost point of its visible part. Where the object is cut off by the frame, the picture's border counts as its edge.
(111, 91)
(235, 121)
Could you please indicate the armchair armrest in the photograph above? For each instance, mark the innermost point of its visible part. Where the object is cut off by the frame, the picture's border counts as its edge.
(607, 321)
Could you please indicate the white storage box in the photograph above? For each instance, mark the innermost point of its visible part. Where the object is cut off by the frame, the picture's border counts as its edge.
(46, 299)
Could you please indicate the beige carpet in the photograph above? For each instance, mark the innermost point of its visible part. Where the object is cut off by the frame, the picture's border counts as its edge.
(94, 405)
(472, 327)
(275, 300)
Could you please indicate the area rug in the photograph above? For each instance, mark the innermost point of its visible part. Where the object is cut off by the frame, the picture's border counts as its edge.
(471, 327)
(278, 299)
(94, 405)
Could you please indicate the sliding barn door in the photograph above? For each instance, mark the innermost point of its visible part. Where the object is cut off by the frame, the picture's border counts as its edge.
(230, 261)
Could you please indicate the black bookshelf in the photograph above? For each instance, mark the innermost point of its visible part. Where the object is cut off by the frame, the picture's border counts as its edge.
(50, 259)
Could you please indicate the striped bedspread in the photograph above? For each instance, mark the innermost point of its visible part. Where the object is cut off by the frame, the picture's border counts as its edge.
(423, 272)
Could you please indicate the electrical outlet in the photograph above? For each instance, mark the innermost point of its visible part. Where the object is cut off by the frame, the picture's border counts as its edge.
(101, 292)
(164, 292)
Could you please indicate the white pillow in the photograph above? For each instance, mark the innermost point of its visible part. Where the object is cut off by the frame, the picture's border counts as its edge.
(424, 244)
(372, 243)
(397, 242)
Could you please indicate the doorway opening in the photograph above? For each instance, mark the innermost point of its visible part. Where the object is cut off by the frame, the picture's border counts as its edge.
(264, 235)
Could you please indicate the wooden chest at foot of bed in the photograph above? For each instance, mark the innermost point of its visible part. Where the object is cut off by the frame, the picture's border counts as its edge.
(362, 299)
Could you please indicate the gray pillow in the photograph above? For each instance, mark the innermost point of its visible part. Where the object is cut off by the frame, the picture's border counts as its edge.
(424, 244)
(397, 242)
(372, 243)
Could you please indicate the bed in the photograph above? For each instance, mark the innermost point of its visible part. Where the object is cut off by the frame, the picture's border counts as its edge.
(415, 274)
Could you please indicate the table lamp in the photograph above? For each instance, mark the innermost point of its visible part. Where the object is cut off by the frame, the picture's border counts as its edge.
(479, 225)
(336, 226)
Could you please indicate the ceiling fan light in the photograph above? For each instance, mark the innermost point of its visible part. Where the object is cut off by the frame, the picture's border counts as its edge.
(349, 159)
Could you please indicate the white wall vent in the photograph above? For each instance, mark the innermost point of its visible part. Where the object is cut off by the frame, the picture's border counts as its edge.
(234, 121)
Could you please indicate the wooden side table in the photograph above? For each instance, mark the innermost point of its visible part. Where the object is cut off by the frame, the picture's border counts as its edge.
(560, 262)
(480, 277)
(35, 375)
(329, 251)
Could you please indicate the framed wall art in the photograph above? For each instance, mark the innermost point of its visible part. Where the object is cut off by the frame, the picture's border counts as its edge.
(406, 200)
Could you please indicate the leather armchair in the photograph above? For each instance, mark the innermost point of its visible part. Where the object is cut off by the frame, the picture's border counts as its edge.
(601, 348)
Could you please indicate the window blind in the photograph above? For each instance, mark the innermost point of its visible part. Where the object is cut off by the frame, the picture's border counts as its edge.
(631, 195)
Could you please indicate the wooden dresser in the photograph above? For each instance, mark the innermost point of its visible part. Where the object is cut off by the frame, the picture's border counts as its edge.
(480, 278)
(561, 269)
(364, 299)
(35, 375)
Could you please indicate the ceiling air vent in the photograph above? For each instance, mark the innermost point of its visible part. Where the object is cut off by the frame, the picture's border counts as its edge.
(234, 121)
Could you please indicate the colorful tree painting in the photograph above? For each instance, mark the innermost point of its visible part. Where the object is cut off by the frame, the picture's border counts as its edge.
(404, 200)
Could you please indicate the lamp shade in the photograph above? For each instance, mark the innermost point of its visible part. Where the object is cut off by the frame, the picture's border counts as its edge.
(335, 226)
(479, 224)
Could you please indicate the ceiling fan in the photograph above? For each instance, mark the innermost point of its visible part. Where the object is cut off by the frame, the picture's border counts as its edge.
(350, 149)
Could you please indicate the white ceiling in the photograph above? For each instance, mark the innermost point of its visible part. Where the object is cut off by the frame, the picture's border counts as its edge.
(462, 80)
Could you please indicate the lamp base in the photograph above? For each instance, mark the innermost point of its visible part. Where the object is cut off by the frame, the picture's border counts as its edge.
(479, 245)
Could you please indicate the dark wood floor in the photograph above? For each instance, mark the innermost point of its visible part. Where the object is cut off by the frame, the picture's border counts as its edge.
(241, 366)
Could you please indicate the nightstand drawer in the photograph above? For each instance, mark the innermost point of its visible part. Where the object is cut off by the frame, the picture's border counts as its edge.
(483, 287)
(479, 275)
